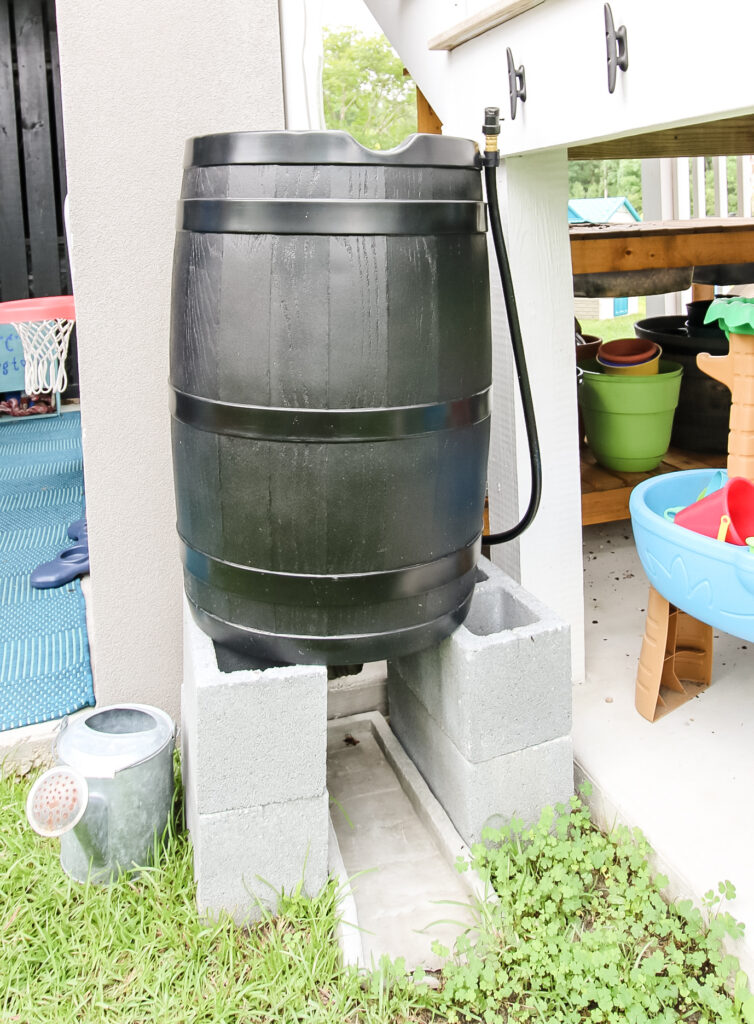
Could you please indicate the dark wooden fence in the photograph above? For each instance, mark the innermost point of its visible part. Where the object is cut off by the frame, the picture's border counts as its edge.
(33, 259)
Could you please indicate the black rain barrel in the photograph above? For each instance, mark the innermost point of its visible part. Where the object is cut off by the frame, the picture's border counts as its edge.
(330, 391)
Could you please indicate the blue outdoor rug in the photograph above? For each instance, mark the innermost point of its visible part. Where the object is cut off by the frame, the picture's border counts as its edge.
(44, 651)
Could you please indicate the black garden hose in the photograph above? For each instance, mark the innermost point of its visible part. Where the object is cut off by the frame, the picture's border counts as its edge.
(491, 161)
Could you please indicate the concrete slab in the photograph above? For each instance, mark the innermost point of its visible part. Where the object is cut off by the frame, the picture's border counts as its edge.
(397, 845)
(27, 748)
(685, 779)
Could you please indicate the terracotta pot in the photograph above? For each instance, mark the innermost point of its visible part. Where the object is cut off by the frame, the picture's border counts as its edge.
(588, 350)
(643, 369)
(627, 351)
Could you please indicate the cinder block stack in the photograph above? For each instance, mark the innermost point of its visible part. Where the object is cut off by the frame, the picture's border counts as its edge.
(253, 756)
(486, 715)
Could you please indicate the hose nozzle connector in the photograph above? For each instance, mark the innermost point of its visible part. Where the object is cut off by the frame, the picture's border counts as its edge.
(491, 124)
(491, 129)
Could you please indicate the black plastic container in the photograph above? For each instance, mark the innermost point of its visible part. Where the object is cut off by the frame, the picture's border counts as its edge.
(330, 367)
(701, 419)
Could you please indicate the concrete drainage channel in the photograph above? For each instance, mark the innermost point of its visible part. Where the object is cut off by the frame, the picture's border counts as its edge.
(394, 847)
(485, 717)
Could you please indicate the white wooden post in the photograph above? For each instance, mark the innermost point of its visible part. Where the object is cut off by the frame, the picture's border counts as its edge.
(720, 173)
(665, 196)
(547, 558)
(657, 204)
(698, 187)
(301, 48)
(681, 211)
(743, 182)
(681, 193)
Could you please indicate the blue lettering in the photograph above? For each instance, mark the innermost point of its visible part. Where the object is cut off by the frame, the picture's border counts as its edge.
(5, 369)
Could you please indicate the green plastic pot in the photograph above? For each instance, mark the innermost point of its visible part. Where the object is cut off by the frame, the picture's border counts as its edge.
(628, 420)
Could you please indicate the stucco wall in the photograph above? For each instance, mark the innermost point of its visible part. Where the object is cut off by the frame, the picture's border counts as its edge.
(138, 78)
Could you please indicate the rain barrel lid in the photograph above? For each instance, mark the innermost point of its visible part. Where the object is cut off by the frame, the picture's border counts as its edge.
(108, 740)
(289, 147)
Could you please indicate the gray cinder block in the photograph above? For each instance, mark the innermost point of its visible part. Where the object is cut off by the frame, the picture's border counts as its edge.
(250, 737)
(476, 794)
(502, 681)
(253, 754)
(246, 857)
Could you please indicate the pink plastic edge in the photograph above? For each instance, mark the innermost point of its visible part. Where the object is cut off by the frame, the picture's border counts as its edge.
(52, 307)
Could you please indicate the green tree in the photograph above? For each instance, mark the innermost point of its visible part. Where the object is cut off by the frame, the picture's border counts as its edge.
(589, 179)
(365, 91)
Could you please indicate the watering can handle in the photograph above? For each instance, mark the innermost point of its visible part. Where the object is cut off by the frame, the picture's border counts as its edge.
(94, 835)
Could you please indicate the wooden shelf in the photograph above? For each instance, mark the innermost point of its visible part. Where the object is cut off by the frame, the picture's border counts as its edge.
(658, 244)
(605, 492)
(647, 246)
(723, 137)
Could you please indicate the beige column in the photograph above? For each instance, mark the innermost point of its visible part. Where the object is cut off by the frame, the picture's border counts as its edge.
(139, 78)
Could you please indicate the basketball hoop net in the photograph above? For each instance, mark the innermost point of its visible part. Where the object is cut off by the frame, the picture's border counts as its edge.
(44, 326)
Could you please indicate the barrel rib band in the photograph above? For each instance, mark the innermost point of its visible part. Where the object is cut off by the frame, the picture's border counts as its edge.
(269, 423)
(329, 149)
(309, 590)
(332, 216)
(310, 649)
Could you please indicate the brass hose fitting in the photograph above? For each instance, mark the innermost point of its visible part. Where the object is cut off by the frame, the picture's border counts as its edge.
(491, 129)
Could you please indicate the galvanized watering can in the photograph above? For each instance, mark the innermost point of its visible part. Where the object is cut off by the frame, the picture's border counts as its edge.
(111, 791)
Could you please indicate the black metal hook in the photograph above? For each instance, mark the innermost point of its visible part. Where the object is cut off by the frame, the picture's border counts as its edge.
(516, 83)
(617, 48)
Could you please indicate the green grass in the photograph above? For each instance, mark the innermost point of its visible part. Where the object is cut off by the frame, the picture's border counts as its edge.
(136, 951)
(617, 327)
(579, 933)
